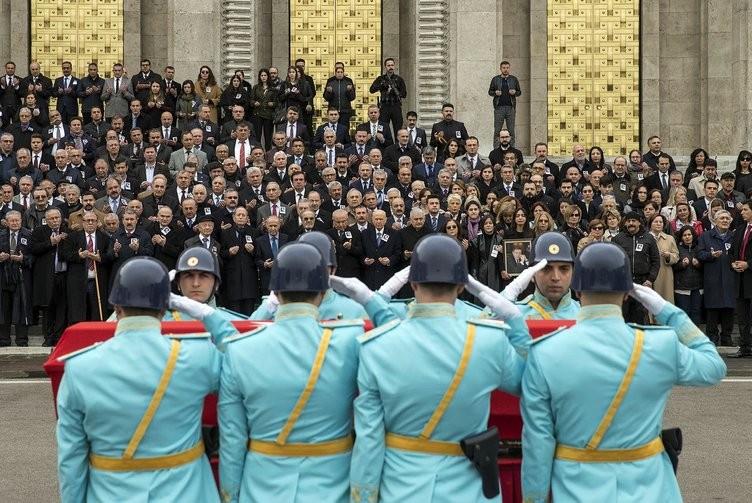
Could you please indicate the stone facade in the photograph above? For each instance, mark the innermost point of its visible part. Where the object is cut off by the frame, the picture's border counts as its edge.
(695, 72)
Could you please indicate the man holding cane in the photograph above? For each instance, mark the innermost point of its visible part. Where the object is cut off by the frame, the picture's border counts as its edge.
(15, 295)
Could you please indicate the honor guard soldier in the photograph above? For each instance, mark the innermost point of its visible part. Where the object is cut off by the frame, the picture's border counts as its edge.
(197, 276)
(593, 395)
(424, 386)
(285, 405)
(334, 306)
(552, 298)
(129, 409)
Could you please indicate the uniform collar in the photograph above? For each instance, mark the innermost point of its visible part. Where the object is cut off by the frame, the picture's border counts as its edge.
(138, 323)
(599, 311)
(545, 303)
(431, 310)
(297, 310)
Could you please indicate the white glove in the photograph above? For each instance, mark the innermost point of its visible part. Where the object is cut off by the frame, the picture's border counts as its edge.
(171, 275)
(272, 303)
(353, 288)
(518, 285)
(504, 308)
(395, 283)
(192, 308)
(649, 298)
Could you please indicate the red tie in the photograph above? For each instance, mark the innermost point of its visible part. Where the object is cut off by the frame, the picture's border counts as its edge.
(90, 247)
(744, 242)
(274, 210)
(241, 161)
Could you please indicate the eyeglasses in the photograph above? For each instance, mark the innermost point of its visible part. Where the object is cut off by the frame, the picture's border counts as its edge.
(598, 228)
(450, 228)
(746, 159)
(308, 218)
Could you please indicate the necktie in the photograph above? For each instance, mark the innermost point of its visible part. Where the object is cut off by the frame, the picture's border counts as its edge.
(412, 136)
(472, 163)
(187, 153)
(182, 197)
(274, 210)
(341, 235)
(90, 247)
(36, 162)
(65, 82)
(378, 239)
(434, 223)
(117, 85)
(373, 130)
(190, 223)
(274, 246)
(291, 135)
(744, 242)
(365, 185)
(26, 202)
(133, 122)
(164, 134)
(13, 243)
(331, 157)
(380, 197)
(300, 196)
(241, 161)
(58, 132)
(360, 151)
(114, 206)
(206, 243)
(429, 171)
(664, 182)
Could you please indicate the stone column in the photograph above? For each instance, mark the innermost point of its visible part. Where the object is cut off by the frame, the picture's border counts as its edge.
(741, 75)
(194, 37)
(15, 35)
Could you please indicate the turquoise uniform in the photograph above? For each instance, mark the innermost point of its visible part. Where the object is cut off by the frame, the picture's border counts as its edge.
(335, 306)
(463, 308)
(571, 378)
(405, 369)
(532, 305)
(103, 397)
(264, 375)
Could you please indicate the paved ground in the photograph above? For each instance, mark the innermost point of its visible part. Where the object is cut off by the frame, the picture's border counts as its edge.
(714, 465)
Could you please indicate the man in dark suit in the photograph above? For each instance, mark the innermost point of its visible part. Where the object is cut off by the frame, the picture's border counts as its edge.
(84, 251)
(142, 80)
(323, 217)
(341, 133)
(434, 219)
(166, 238)
(428, 169)
(170, 87)
(170, 134)
(135, 119)
(15, 287)
(90, 92)
(402, 148)
(357, 152)
(49, 273)
(702, 204)
(660, 179)
(447, 128)
(294, 128)
(299, 157)
(379, 135)
(741, 256)
(209, 129)
(227, 130)
(64, 89)
(267, 247)
(240, 288)
(205, 237)
(348, 245)
(382, 248)
(128, 242)
(300, 189)
(416, 135)
(38, 84)
(56, 132)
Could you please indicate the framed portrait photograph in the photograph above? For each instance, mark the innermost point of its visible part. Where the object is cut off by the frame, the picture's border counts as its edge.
(517, 253)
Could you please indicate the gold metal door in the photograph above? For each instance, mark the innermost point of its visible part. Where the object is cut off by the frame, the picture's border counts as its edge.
(79, 31)
(326, 31)
(593, 75)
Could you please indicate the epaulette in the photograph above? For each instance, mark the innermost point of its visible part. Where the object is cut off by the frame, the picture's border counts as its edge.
(237, 337)
(647, 327)
(372, 334)
(235, 315)
(340, 323)
(78, 352)
(195, 335)
(544, 337)
(488, 322)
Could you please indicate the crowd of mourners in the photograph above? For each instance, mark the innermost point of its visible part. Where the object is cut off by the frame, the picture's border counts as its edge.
(144, 164)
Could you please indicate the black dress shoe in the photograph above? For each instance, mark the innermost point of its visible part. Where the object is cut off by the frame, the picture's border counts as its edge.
(48, 344)
(727, 342)
(742, 353)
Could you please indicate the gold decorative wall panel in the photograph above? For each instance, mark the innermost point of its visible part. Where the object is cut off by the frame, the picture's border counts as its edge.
(593, 75)
(325, 31)
(79, 31)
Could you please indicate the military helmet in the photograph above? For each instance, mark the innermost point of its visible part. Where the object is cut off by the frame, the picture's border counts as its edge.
(552, 246)
(299, 267)
(141, 282)
(602, 267)
(438, 258)
(323, 243)
(198, 258)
